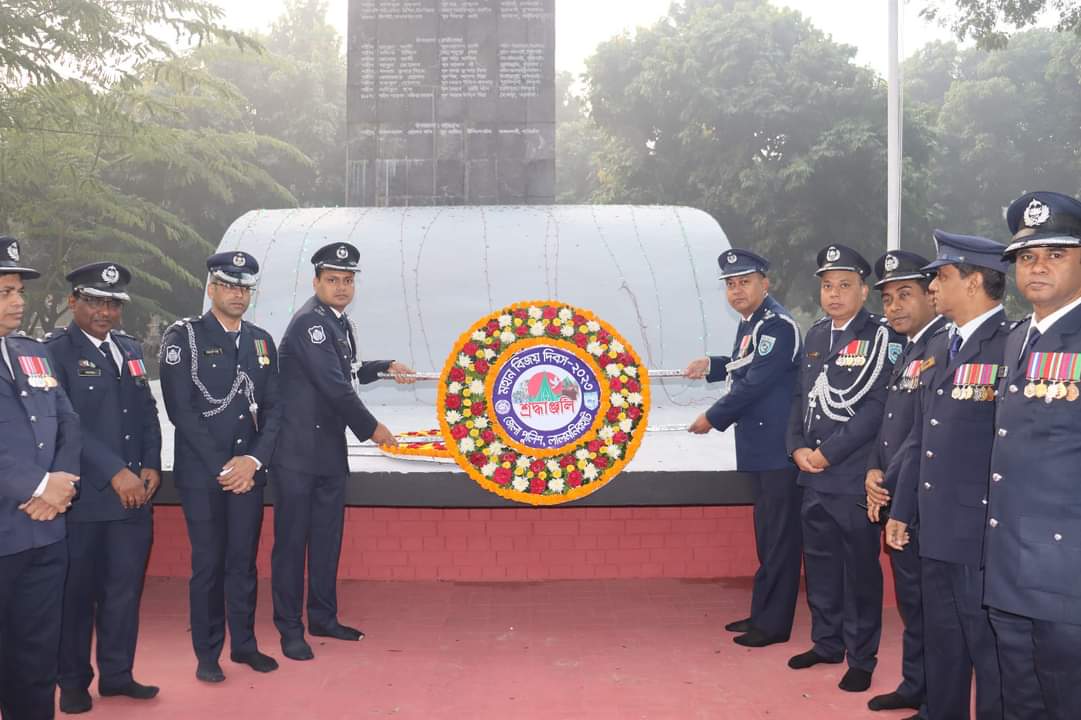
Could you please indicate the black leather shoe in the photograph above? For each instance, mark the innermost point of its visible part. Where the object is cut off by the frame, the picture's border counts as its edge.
(893, 701)
(209, 672)
(256, 660)
(297, 649)
(75, 701)
(133, 690)
(338, 632)
(739, 626)
(757, 638)
(810, 659)
(855, 680)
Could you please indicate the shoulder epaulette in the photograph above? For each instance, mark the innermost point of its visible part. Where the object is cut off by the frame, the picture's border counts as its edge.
(1016, 323)
(821, 320)
(944, 329)
(319, 309)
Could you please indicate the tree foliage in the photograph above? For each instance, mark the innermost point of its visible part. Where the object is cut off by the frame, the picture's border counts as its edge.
(987, 21)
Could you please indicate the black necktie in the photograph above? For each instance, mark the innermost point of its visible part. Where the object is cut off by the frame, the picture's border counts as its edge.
(104, 347)
(955, 345)
(233, 335)
(1033, 338)
(835, 337)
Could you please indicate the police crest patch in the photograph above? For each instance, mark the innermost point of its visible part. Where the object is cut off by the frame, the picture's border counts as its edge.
(317, 334)
(765, 344)
(172, 355)
(893, 352)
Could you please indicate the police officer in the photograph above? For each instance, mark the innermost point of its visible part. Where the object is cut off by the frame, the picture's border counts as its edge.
(909, 308)
(39, 459)
(321, 366)
(761, 374)
(219, 379)
(848, 357)
(1033, 532)
(109, 526)
(943, 473)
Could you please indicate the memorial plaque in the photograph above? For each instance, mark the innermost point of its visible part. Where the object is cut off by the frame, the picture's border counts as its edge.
(451, 102)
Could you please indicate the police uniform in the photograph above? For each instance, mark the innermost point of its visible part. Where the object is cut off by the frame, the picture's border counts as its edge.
(838, 409)
(40, 435)
(761, 375)
(896, 266)
(1033, 530)
(320, 362)
(942, 479)
(222, 393)
(108, 545)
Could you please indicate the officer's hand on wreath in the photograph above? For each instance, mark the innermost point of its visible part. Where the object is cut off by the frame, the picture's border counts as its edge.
(130, 488)
(39, 510)
(383, 436)
(60, 490)
(151, 480)
(700, 426)
(896, 534)
(802, 459)
(403, 374)
(238, 475)
(697, 369)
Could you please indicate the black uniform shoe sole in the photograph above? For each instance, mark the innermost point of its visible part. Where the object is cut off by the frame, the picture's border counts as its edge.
(810, 659)
(739, 626)
(755, 639)
(257, 661)
(892, 701)
(135, 691)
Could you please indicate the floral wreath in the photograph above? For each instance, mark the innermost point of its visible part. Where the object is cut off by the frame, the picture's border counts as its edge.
(418, 444)
(480, 444)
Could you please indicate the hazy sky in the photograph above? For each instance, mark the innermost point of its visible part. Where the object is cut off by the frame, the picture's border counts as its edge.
(582, 24)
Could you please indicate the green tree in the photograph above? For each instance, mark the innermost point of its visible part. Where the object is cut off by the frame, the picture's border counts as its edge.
(986, 21)
(579, 143)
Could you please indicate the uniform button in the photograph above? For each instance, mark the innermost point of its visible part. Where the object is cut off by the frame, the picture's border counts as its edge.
(818, 442)
(41, 445)
(996, 477)
(984, 501)
(33, 418)
(1013, 388)
(993, 523)
(1002, 432)
(760, 423)
(238, 441)
(818, 417)
(125, 411)
(930, 454)
(1058, 537)
(127, 437)
(939, 391)
(316, 427)
(239, 417)
(91, 387)
(889, 416)
(23, 394)
(927, 485)
(885, 443)
(934, 423)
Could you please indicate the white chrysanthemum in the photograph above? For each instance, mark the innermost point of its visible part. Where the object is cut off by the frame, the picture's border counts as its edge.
(454, 388)
(555, 484)
(520, 484)
(635, 398)
(617, 400)
(480, 422)
(613, 451)
(488, 470)
(489, 353)
(594, 348)
(552, 465)
(479, 335)
(565, 314)
(523, 462)
(625, 425)
(535, 312)
(590, 473)
(476, 387)
(582, 454)
(505, 321)
(506, 337)
(466, 444)
(613, 369)
(465, 361)
(631, 370)
(606, 433)
(567, 330)
(536, 330)
(615, 346)
(496, 448)
(593, 325)
(453, 416)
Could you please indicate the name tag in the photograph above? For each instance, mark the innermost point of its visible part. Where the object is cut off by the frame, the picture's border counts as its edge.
(89, 372)
(212, 351)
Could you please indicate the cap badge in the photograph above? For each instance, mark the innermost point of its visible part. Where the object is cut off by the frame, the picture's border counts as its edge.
(110, 274)
(1036, 213)
(731, 259)
(239, 260)
(342, 252)
(13, 251)
(891, 263)
(833, 255)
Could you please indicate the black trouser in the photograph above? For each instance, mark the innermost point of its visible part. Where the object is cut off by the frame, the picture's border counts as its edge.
(778, 540)
(106, 566)
(844, 578)
(907, 585)
(308, 517)
(31, 603)
(1041, 667)
(224, 531)
(958, 640)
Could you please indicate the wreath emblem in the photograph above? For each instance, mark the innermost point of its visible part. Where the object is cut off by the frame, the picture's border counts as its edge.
(542, 402)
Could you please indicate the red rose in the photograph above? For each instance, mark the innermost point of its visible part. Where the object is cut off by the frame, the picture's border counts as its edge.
(566, 461)
(574, 479)
(470, 349)
(603, 336)
(553, 330)
(508, 457)
(481, 366)
(619, 438)
(581, 340)
(521, 313)
(549, 313)
(536, 466)
(616, 385)
(459, 431)
(594, 445)
(626, 359)
(453, 402)
(478, 459)
(478, 407)
(633, 385)
(613, 414)
(488, 436)
(521, 331)
(601, 462)
(502, 475)
(537, 486)
(634, 413)
(579, 319)
(457, 374)
(493, 326)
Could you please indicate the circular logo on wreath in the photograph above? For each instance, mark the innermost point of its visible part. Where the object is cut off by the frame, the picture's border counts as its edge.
(542, 403)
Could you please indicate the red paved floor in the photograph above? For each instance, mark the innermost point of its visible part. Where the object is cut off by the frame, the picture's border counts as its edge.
(605, 649)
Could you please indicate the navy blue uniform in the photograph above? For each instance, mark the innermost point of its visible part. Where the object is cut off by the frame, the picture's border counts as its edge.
(40, 434)
(942, 480)
(761, 373)
(108, 546)
(840, 547)
(223, 526)
(896, 424)
(1033, 535)
(311, 466)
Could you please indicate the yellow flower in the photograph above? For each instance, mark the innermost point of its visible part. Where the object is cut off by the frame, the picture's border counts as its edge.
(543, 475)
(583, 329)
(469, 423)
(556, 322)
(517, 322)
(557, 473)
(582, 464)
(467, 392)
(474, 433)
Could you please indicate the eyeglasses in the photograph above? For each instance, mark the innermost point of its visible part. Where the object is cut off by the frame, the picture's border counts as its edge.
(97, 303)
(235, 289)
